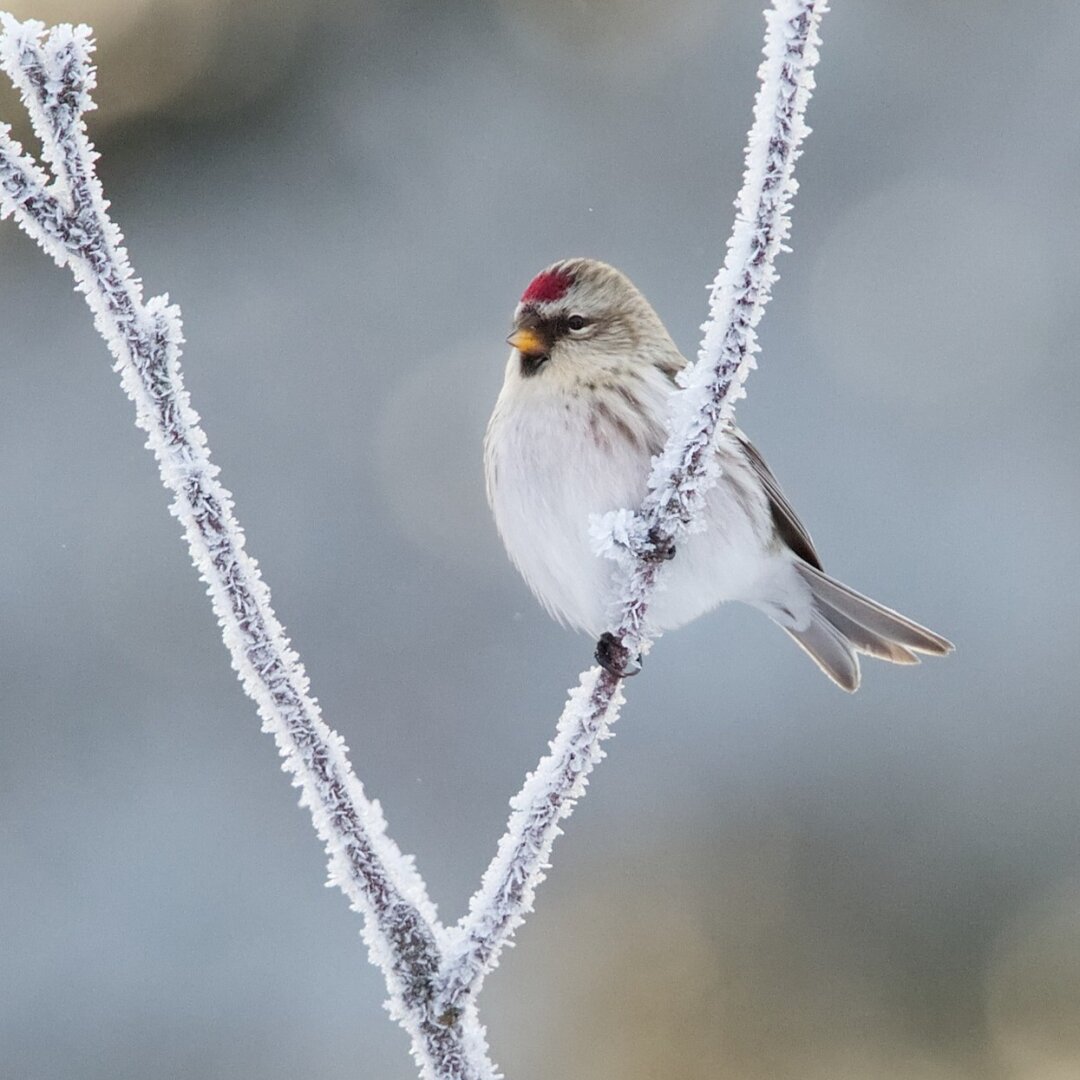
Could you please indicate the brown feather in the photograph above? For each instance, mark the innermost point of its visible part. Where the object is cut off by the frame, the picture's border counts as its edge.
(788, 526)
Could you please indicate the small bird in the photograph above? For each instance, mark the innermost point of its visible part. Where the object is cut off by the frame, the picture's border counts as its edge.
(582, 411)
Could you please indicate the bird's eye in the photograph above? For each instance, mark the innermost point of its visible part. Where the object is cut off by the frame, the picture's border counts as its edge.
(577, 322)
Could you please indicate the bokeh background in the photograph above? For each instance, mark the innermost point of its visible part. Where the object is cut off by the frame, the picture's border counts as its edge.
(768, 879)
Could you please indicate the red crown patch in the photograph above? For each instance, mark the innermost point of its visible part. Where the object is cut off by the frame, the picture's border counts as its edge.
(548, 286)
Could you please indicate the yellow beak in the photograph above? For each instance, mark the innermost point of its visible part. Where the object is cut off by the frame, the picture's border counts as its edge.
(528, 342)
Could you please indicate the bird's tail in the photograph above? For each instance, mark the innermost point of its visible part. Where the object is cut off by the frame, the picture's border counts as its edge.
(844, 623)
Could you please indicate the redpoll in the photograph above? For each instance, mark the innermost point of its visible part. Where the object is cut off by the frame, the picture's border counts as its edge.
(582, 411)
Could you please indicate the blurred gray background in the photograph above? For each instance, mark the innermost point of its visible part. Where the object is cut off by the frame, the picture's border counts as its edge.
(768, 879)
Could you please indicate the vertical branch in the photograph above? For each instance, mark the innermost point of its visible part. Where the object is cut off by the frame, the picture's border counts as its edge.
(680, 480)
(70, 221)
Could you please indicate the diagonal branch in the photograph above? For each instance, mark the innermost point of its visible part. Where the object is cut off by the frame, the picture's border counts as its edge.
(24, 186)
(401, 929)
(509, 884)
(681, 477)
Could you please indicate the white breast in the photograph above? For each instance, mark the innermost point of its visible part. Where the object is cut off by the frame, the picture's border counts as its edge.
(550, 467)
(547, 473)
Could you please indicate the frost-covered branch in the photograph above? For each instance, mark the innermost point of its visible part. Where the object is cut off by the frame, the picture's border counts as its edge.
(680, 479)
(68, 217)
(432, 974)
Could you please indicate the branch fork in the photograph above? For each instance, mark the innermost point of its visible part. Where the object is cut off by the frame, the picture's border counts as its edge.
(433, 973)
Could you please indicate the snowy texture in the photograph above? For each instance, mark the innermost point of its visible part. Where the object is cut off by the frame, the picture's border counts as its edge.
(687, 468)
(681, 477)
(506, 893)
(69, 218)
(432, 974)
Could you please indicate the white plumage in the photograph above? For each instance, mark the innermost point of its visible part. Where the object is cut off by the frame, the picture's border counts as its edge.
(581, 412)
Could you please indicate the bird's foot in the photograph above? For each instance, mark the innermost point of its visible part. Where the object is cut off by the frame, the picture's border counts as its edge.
(615, 658)
(661, 548)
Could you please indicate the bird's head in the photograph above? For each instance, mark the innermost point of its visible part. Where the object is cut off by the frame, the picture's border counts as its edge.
(580, 319)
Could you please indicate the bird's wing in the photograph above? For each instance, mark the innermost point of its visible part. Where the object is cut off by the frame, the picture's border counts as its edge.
(791, 529)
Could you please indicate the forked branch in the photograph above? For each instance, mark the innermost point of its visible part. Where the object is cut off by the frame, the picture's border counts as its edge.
(432, 974)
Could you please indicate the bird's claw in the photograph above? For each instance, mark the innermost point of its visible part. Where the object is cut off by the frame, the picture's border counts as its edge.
(615, 658)
(661, 548)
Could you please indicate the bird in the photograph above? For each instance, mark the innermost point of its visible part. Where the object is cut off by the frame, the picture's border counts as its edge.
(582, 411)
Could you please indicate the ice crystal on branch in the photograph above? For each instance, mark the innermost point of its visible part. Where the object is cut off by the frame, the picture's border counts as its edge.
(432, 974)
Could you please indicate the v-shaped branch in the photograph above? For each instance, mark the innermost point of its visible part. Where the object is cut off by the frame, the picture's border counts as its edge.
(432, 973)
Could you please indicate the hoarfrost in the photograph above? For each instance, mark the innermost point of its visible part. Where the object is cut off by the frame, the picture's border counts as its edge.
(433, 974)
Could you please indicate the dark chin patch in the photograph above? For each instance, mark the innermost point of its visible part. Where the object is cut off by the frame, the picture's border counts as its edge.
(531, 364)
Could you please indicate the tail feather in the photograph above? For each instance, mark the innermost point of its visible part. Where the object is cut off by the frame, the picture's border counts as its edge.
(864, 640)
(882, 622)
(844, 623)
(830, 650)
